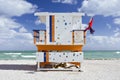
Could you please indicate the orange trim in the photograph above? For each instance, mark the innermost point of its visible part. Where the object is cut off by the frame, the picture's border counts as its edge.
(43, 64)
(76, 63)
(47, 56)
(84, 37)
(73, 37)
(53, 28)
(35, 34)
(59, 47)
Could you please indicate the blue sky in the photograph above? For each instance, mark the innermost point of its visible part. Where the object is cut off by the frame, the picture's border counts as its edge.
(17, 21)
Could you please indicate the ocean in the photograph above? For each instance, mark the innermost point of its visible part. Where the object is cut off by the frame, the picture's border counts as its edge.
(31, 55)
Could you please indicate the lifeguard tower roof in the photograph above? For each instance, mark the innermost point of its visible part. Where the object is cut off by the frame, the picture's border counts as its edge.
(50, 13)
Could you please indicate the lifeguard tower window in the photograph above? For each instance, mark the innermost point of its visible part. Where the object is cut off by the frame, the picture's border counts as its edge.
(42, 36)
(78, 37)
(39, 36)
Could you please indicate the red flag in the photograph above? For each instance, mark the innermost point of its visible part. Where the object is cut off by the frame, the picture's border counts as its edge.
(90, 26)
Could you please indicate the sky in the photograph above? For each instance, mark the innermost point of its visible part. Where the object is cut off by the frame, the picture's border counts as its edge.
(17, 21)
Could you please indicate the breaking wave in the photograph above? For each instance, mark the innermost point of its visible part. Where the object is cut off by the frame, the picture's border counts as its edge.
(12, 53)
(28, 56)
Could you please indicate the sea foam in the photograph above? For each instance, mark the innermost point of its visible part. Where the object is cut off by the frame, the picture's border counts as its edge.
(12, 53)
(117, 52)
(28, 56)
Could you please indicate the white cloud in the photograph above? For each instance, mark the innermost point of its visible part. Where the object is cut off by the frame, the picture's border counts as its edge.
(16, 7)
(102, 43)
(69, 1)
(7, 29)
(16, 44)
(7, 26)
(11, 39)
(116, 30)
(117, 34)
(22, 30)
(101, 7)
(7, 34)
(8, 23)
(105, 8)
(65, 1)
(13, 35)
(117, 21)
(56, 1)
(37, 22)
(26, 36)
(109, 26)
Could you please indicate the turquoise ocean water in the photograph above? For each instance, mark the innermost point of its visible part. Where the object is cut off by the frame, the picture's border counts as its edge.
(31, 55)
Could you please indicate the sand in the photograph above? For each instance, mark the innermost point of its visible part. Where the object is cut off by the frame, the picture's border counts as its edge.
(91, 70)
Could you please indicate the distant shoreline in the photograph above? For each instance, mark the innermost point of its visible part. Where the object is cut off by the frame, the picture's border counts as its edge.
(88, 55)
(35, 59)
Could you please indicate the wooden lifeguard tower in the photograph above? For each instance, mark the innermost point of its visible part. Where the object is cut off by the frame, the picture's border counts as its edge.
(60, 42)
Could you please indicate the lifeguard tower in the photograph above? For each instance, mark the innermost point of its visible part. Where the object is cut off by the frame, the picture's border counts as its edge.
(61, 42)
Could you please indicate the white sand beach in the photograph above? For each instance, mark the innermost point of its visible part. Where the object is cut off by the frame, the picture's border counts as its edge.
(91, 70)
